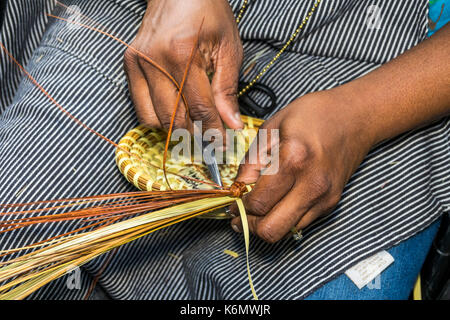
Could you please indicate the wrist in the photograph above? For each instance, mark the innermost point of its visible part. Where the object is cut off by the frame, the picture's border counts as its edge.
(354, 115)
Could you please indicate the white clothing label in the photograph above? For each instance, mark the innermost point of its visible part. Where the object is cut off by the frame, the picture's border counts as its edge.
(366, 270)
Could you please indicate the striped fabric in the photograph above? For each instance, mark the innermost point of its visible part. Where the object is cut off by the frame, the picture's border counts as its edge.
(401, 187)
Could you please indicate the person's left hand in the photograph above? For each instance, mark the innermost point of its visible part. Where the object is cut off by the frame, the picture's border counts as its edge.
(323, 139)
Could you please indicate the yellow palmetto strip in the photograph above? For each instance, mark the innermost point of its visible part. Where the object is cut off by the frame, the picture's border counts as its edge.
(46, 243)
(231, 253)
(247, 242)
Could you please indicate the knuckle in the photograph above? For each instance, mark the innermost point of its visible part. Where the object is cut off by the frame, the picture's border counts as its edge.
(178, 56)
(266, 232)
(320, 185)
(200, 111)
(129, 58)
(147, 119)
(142, 58)
(177, 50)
(179, 122)
(296, 153)
(165, 122)
(333, 200)
(141, 61)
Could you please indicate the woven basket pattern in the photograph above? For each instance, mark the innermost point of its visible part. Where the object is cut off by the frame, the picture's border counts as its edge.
(140, 159)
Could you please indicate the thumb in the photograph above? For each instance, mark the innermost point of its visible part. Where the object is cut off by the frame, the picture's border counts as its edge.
(225, 85)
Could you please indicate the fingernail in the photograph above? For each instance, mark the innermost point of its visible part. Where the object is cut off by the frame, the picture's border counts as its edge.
(235, 228)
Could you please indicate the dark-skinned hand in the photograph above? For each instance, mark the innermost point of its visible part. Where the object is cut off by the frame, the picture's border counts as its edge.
(320, 146)
(324, 136)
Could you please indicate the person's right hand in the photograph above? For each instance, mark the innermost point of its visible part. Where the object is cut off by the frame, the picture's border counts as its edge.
(167, 35)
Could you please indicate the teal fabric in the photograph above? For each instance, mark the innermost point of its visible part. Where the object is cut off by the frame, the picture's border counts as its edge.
(439, 15)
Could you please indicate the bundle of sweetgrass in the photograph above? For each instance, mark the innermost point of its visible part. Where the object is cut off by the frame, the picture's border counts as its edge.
(55, 257)
(110, 220)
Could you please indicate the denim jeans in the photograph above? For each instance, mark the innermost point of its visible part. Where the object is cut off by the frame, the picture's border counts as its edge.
(395, 282)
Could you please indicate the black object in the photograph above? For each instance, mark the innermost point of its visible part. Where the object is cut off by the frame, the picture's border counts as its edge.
(436, 269)
(249, 107)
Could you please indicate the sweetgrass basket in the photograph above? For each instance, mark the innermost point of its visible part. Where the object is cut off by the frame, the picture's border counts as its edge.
(140, 160)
